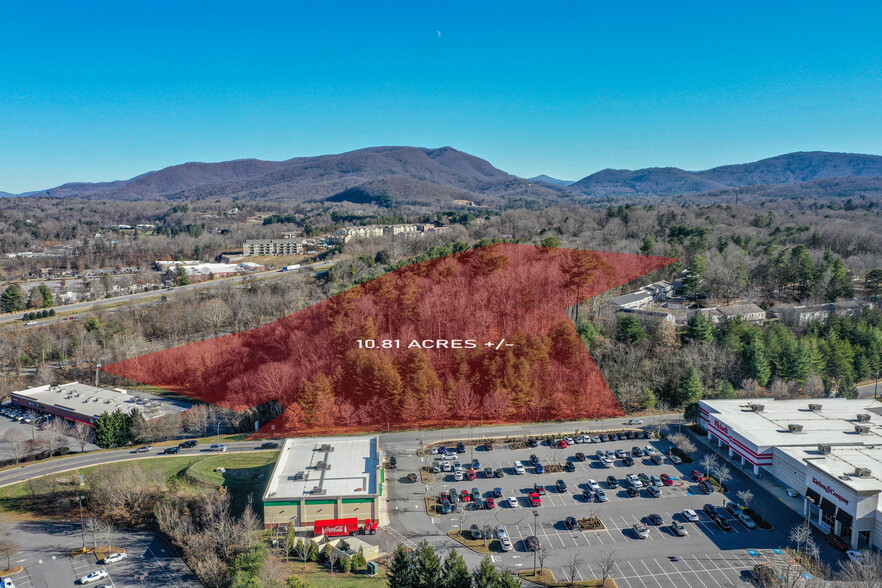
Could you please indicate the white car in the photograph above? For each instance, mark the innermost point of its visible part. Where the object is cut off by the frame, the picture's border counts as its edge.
(593, 485)
(579, 439)
(635, 422)
(115, 557)
(649, 449)
(641, 530)
(512, 501)
(506, 544)
(607, 462)
(519, 468)
(457, 475)
(745, 520)
(635, 481)
(457, 466)
(690, 515)
(500, 532)
(445, 466)
(857, 557)
(7, 583)
(94, 576)
(595, 439)
(570, 441)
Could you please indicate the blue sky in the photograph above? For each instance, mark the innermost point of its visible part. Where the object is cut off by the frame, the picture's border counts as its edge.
(96, 90)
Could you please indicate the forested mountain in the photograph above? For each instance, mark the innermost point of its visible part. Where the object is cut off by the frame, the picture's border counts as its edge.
(792, 168)
(310, 178)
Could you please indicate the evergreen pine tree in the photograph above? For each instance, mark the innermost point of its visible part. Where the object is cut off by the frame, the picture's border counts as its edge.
(691, 390)
(402, 571)
(138, 427)
(455, 572)
(428, 566)
(699, 328)
(757, 365)
(509, 580)
(727, 390)
(485, 575)
(12, 299)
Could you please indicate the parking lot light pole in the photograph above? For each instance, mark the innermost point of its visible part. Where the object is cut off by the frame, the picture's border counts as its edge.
(82, 522)
(535, 534)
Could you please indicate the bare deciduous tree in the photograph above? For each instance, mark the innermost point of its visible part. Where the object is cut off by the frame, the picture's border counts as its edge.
(15, 440)
(708, 462)
(83, 434)
(573, 568)
(606, 563)
(745, 496)
(683, 443)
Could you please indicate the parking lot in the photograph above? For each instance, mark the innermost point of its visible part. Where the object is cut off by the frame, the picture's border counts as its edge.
(707, 556)
(44, 552)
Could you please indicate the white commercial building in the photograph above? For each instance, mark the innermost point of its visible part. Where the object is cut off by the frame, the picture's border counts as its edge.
(828, 449)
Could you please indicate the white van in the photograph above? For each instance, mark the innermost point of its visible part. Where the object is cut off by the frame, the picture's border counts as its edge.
(217, 447)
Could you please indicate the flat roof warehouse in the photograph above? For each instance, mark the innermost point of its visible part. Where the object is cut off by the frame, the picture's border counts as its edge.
(829, 449)
(85, 403)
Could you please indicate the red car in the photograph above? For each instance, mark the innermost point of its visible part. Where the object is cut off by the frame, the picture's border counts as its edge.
(836, 541)
(666, 480)
(535, 499)
(466, 497)
(471, 475)
(697, 476)
(489, 503)
(562, 444)
(488, 446)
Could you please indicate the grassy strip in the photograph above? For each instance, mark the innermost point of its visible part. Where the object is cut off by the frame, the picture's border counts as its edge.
(316, 575)
(241, 469)
(546, 578)
(477, 546)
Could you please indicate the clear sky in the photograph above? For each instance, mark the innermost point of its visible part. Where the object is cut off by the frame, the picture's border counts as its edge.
(96, 90)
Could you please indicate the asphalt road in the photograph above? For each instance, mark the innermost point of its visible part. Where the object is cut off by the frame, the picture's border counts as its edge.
(150, 296)
(83, 460)
(867, 390)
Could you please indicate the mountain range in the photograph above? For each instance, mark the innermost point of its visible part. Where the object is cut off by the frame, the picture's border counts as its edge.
(391, 176)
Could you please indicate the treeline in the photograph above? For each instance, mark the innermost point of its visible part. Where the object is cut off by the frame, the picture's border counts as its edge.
(648, 365)
(422, 568)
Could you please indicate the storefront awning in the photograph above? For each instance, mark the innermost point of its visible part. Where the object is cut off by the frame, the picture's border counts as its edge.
(816, 498)
(844, 518)
(828, 507)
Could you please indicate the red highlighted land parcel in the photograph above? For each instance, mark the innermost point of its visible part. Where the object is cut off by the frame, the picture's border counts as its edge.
(481, 334)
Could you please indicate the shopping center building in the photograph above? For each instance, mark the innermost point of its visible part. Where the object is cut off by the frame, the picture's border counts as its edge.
(827, 449)
(325, 478)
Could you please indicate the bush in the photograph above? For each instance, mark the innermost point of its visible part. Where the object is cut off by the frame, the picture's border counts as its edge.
(51, 312)
(44, 313)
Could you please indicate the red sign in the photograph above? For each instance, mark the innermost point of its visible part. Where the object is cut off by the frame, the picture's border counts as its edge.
(722, 427)
(829, 490)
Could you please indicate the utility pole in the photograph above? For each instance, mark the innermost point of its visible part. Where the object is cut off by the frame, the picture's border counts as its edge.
(97, 367)
(876, 386)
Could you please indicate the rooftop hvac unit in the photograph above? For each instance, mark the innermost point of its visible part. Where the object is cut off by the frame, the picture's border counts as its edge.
(863, 418)
(862, 429)
(794, 428)
(862, 472)
(757, 407)
(814, 407)
(322, 465)
(318, 491)
(824, 448)
(326, 448)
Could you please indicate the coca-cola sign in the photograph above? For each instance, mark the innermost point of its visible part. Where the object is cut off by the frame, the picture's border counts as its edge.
(829, 490)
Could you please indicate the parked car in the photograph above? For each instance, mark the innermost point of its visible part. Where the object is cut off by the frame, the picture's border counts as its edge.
(458, 476)
(709, 509)
(519, 468)
(588, 496)
(655, 480)
(675, 460)
(445, 466)
(654, 491)
(745, 520)
(538, 489)
(512, 502)
(561, 486)
(534, 498)
(580, 456)
(500, 473)
(506, 544)
(722, 523)
(488, 472)
(466, 497)
(500, 532)
(593, 484)
(600, 495)
(489, 502)
(570, 523)
(476, 465)
(460, 447)
(836, 541)
(532, 443)
(569, 466)
(733, 508)
(532, 543)
(634, 481)
(631, 491)
(471, 474)
(628, 461)
(488, 446)
(114, 557)
(595, 439)
(457, 466)
(656, 458)
(706, 487)
(599, 454)
(94, 576)
(678, 529)
(497, 492)
(667, 480)
(539, 468)
(697, 476)
(690, 515)
(393, 462)
(612, 482)
(454, 496)
(476, 533)
(641, 530)
(644, 478)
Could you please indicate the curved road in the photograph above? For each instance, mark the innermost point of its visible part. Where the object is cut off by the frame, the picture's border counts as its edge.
(397, 442)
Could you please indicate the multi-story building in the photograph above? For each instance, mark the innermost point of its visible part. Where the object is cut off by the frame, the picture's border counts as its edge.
(271, 247)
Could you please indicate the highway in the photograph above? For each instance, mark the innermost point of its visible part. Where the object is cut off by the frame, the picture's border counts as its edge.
(153, 296)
